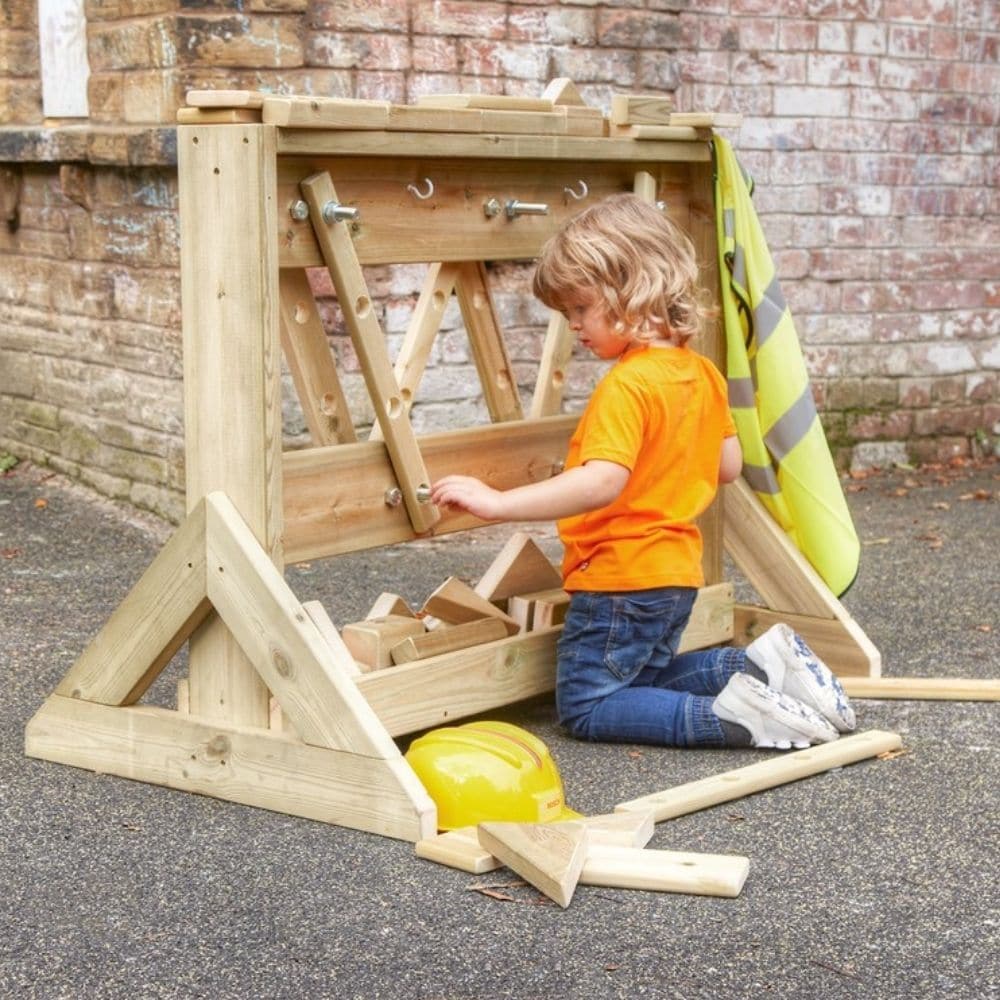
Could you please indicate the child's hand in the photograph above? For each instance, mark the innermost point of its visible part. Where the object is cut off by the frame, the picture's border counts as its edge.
(470, 495)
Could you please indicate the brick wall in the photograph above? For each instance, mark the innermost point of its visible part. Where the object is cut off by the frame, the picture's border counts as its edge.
(870, 128)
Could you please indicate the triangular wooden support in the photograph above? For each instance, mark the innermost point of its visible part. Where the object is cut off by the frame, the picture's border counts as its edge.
(520, 567)
(549, 856)
(343, 767)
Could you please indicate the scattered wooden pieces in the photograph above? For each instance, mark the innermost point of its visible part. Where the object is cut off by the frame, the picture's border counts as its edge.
(371, 641)
(735, 784)
(923, 688)
(519, 568)
(449, 639)
(665, 871)
(548, 855)
(641, 109)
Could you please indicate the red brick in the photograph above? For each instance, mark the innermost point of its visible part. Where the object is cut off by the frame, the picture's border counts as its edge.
(459, 17)
(370, 16)
(552, 24)
(637, 28)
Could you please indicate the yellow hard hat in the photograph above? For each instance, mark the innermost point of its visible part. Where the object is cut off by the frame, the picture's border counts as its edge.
(485, 771)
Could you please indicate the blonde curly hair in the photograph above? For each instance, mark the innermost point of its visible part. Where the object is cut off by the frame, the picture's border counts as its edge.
(635, 259)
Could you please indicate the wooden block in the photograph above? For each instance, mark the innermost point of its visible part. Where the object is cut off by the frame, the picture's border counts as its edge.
(449, 639)
(541, 609)
(563, 91)
(458, 849)
(525, 122)
(317, 613)
(641, 109)
(669, 133)
(665, 871)
(519, 568)
(729, 785)
(706, 119)
(404, 117)
(549, 856)
(217, 116)
(390, 604)
(922, 688)
(325, 112)
(455, 602)
(485, 102)
(224, 98)
(609, 830)
(371, 640)
(583, 124)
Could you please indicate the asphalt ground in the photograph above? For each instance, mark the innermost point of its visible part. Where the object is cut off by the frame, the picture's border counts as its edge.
(876, 880)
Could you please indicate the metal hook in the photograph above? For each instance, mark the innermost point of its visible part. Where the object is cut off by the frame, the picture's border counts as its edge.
(584, 191)
(417, 193)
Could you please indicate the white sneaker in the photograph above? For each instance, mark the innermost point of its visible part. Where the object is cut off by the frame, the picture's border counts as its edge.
(793, 668)
(773, 719)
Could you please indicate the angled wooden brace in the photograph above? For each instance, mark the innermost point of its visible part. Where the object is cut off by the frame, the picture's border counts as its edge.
(496, 374)
(303, 341)
(341, 259)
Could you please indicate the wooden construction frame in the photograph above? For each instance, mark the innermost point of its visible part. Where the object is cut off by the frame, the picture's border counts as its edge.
(329, 752)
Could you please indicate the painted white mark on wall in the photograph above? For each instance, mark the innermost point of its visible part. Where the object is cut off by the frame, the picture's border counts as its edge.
(62, 29)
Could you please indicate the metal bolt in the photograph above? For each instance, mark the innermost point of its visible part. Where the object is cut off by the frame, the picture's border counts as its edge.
(299, 210)
(492, 208)
(423, 493)
(393, 496)
(335, 212)
(514, 208)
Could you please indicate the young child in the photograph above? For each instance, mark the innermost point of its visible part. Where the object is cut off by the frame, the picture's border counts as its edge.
(647, 456)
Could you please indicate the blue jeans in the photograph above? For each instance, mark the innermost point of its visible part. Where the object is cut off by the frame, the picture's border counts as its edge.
(620, 680)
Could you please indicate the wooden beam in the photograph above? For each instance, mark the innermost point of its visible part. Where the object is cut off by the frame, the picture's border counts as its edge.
(449, 639)
(666, 871)
(923, 688)
(158, 614)
(250, 766)
(310, 361)
(557, 351)
(729, 785)
(369, 344)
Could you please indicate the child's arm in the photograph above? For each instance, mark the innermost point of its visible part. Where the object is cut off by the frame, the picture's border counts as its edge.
(731, 462)
(583, 488)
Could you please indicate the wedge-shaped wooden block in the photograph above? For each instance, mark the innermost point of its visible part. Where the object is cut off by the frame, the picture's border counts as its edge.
(548, 855)
(390, 604)
(562, 91)
(608, 830)
(735, 784)
(520, 567)
(449, 639)
(641, 109)
(665, 871)
(455, 603)
(371, 641)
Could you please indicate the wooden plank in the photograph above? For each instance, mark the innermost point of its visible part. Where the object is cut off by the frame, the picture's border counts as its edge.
(493, 146)
(310, 361)
(425, 322)
(241, 764)
(659, 133)
(434, 119)
(524, 122)
(217, 116)
(641, 109)
(232, 388)
(923, 688)
(492, 102)
(496, 373)
(829, 638)
(729, 785)
(369, 344)
(706, 119)
(666, 871)
(455, 602)
(781, 575)
(318, 616)
(518, 567)
(325, 112)
(224, 98)
(557, 351)
(335, 497)
(370, 641)
(549, 856)
(156, 617)
(315, 692)
(438, 690)
(449, 639)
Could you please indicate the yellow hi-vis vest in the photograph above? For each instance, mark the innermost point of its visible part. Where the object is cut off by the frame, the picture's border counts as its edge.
(786, 459)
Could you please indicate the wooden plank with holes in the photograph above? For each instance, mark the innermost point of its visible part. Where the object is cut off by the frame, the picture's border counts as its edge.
(325, 113)
(425, 322)
(496, 373)
(359, 314)
(550, 382)
(729, 785)
(310, 361)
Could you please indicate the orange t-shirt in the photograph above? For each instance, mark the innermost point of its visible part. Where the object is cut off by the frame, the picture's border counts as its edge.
(662, 412)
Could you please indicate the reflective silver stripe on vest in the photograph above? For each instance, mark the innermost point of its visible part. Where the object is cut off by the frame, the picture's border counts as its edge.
(741, 393)
(761, 478)
(767, 314)
(792, 426)
(729, 223)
